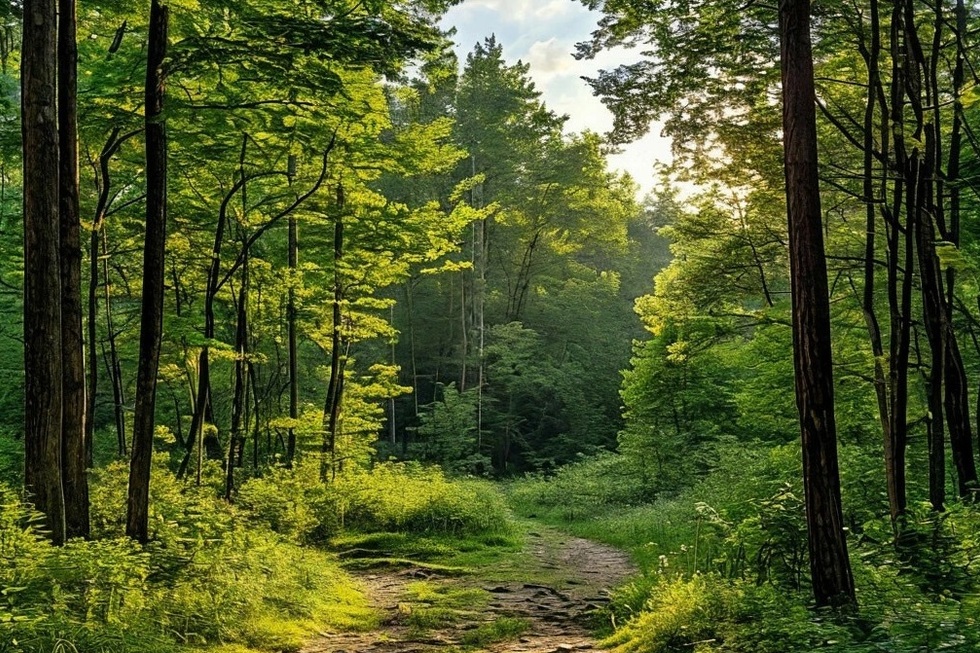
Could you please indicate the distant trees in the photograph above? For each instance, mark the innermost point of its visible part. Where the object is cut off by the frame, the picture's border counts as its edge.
(533, 325)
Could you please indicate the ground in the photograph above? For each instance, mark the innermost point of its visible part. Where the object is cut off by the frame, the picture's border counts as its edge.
(545, 598)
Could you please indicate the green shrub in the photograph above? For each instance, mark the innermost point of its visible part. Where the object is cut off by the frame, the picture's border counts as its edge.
(208, 576)
(680, 615)
(581, 489)
(411, 497)
(284, 499)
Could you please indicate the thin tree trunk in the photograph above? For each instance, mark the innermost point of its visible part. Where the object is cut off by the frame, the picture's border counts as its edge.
(830, 567)
(42, 272)
(293, 255)
(331, 408)
(113, 363)
(103, 185)
(901, 248)
(151, 324)
(956, 382)
(895, 475)
(237, 439)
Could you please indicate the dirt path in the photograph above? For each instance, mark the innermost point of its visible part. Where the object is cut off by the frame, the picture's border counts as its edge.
(540, 603)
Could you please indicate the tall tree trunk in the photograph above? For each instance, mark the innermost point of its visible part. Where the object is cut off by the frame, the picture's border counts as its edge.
(103, 185)
(830, 567)
(112, 361)
(74, 453)
(947, 387)
(293, 256)
(901, 260)
(236, 440)
(151, 323)
(895, 474)
(42, 273)
(331, 408)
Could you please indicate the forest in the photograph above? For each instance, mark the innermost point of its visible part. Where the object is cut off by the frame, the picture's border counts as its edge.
(319, 337)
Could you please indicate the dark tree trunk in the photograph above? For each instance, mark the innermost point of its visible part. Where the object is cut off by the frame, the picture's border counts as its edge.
(293, 256)
(901, 259)
(92, 337)
(331, 408)
(151, 324)
(42, 273)
(104, 186)
(895, 475)
(238, 407)
(74, 451)
(830, 567)
(112, 361)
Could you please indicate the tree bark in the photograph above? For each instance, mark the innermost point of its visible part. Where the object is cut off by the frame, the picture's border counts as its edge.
(236, 441)
(151, 324)
(293, 255)
(112, 362)
(901, 261)
(331, 407)
(74, 444)
(42, 270)
(830, 567)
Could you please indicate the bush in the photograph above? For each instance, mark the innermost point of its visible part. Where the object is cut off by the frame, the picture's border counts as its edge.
(208, 576)
(406, 497)
(581, 489)
(410, 497)
(681, 615)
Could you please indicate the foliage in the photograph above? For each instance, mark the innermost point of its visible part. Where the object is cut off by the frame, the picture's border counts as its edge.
(417, 499)
(725, 567)
(204, 579)
(406, 497)
(446, 434)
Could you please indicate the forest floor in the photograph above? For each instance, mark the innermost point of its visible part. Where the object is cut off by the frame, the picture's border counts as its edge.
(545, 597)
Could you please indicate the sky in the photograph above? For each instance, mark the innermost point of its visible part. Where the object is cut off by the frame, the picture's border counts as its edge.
(543, 33)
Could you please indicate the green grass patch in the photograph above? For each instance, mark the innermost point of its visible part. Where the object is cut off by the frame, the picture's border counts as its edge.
(455, 555)
(447, 595)
(498, 630)
(422, 618)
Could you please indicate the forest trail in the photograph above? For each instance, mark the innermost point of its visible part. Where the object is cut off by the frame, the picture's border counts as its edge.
(540, 601)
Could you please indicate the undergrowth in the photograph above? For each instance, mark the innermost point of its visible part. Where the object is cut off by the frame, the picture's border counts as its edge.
(218, 577)
(725, 567)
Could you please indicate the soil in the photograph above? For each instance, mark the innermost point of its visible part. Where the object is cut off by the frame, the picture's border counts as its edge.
(557, 589)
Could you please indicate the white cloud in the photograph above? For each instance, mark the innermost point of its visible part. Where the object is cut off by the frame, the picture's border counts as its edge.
(550, 57)
(518, 12)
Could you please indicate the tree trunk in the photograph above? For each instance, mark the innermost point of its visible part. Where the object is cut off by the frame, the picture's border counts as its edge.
(74, 453)
(238, 408)
(42, 272)
(293, 255)
(901, 260)
(115, 367)
(151, 323)
(331, 408)
(830, 567)
(103, 185)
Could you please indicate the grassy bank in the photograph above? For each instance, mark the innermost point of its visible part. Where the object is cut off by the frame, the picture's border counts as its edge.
(725, 568)
(255, 576)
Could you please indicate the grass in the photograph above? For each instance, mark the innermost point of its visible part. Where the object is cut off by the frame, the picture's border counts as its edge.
(456, 555)
(498, 630)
